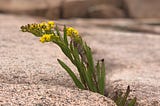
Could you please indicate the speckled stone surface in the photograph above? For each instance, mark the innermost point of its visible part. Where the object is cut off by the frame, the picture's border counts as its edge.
(132, 58)
(46, 95)
(30, 74)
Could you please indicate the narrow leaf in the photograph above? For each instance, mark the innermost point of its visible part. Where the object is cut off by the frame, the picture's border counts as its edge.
(65, 35)
(90, 82)
(123, 102)
(57, 31)
(65, 50)
(72, 75)
(132, 102)
(90, 68)
(89, 58)
(102, 79)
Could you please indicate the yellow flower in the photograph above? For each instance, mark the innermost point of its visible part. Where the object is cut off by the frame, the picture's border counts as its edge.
(42, 40)
(51, 23)
(44, 26)
(72, 32)
(46, 38)
(47, 25)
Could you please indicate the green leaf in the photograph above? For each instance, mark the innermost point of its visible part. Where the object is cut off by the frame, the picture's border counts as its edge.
(118, 99)
(65, 35)
(76, 54)
(123, 99)
(132, 102)
(78, 64)
(89, 58)
(125, 96)
(72, 75)
(57, 31)
(98, 74)
(85, 75)
(65, 50)
(90, 68)
(102, 78)
(90, 82)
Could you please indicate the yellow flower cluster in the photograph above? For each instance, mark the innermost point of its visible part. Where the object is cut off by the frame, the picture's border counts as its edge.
(72, 32)
(48, 32)
(46, 26)
(46, 38)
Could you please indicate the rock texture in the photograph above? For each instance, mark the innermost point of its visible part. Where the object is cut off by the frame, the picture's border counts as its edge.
(29, 70)
(62, 8)
(53, 9)
(46, 8)
(79, 8)
(45, 95)
(132, 58)
(116, 3)
(30, 74)
(143, 8)
(105, 11)
(74, 8)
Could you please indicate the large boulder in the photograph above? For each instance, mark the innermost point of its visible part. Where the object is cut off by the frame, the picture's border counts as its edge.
(30, 74)
(21, 5)
(105, 11)
(131, 59)
(47, 8)
(74, 8)
(143, 8)
(116, 3)
(54, 10)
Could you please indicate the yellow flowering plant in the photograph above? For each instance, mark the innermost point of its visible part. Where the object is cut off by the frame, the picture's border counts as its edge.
(91, 77)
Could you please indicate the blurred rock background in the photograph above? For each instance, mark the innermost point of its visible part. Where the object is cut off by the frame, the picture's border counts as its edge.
(56, 9)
